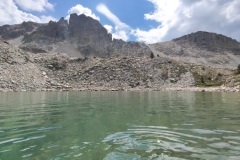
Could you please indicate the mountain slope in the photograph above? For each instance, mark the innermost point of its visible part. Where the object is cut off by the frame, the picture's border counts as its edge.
(201, 48)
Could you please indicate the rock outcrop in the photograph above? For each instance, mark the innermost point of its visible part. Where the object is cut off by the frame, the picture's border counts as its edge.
(51, 33)
(90, 37)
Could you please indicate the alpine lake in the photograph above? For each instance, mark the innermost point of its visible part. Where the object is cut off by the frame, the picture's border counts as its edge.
(119, 126)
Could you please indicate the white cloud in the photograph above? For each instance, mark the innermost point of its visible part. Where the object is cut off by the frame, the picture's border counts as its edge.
(121, 30)
(112, 17)
(79, 9)
(120, 34)
(150, 36)
(10, 14)
(185, 16)
(46, 19)
(34, 5)
(109, 28)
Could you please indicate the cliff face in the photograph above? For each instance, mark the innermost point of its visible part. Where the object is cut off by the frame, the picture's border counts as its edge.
(90, 37)
(87, 30)
(50, 33)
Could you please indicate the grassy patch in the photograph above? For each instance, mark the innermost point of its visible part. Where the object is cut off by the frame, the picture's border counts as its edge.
(209, 77)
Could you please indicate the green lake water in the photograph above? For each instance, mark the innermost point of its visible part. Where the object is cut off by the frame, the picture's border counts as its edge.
(119, 126)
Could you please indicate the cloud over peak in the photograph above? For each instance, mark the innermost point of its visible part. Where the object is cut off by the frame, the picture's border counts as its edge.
(185, 16)
(79, 9)
(121, 30)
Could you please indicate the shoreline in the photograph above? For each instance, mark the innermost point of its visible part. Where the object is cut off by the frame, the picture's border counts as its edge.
(187, 89)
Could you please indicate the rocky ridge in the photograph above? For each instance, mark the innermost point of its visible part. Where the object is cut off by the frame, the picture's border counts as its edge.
(210, 41)
(82, 36)
(201, 48)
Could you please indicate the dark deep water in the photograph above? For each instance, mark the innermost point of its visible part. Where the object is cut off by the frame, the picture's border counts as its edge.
(119, 125)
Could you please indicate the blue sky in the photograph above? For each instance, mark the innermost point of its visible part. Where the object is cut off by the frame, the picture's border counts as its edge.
(148, 21)
(132, 13)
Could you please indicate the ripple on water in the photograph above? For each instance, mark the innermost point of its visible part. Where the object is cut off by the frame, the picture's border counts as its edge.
(50, 128)
(116, 155)
(237, 138)
(30, 138)
(224, 145)
(27, 155)
(203, 131)
(8, 150)
(10, 140)
(156, 142)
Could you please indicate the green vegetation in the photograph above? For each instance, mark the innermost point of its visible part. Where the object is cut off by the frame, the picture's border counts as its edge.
(208, 77)
(152, 55)
(202, 80)
(238, 69)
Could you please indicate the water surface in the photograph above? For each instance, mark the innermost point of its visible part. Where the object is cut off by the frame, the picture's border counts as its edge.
(120, 125)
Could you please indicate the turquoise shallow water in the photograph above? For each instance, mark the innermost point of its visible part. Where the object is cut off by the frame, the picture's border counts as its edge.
(119, 125)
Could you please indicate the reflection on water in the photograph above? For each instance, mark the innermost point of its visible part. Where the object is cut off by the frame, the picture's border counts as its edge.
(119, 125)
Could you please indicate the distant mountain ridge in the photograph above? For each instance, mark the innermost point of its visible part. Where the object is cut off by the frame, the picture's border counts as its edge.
(210, 41)
(81, 37)
(201, 48)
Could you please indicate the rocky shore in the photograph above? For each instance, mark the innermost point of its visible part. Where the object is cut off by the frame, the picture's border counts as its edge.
(191, 89)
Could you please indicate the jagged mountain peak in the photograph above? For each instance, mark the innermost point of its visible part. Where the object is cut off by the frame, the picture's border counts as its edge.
(81, 36)
(86, 29)
(80, 28)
